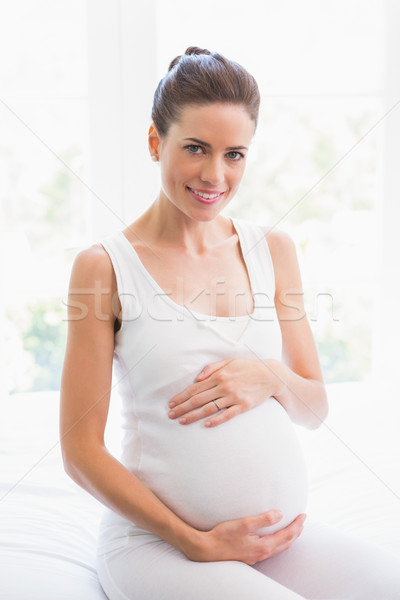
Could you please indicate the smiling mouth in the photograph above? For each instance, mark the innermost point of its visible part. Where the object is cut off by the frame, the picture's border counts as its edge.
(207, 197)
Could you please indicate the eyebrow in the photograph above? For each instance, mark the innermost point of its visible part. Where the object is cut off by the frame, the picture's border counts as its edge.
(207, 145)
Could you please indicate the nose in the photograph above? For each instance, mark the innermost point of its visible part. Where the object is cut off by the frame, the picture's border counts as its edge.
(213, 171)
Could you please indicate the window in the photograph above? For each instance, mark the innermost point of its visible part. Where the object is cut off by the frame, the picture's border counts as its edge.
(45, 208)
(76, 163)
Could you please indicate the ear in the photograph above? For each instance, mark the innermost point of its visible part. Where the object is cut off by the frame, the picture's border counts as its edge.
(154, 140)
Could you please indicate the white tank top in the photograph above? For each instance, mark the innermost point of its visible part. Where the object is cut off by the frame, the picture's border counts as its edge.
(230, 327)
(243, 467)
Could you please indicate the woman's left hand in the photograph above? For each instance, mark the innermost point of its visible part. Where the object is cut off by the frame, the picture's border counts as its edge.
(227, 387)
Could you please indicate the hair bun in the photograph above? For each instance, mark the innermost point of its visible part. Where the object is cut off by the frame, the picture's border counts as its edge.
(200, 77)
(189, 51)
(196, 50)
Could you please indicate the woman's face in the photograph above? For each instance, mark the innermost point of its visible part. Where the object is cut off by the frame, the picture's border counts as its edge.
(203, 157)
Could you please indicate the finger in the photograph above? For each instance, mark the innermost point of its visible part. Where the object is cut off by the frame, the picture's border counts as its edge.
(201, 413)
(212, 367)
(223, 416)
(194, 404)
(188, 392)
(281, 540)
(285, 537)
(298, 521)
(264, 520)
(281, 545)
(181, 397)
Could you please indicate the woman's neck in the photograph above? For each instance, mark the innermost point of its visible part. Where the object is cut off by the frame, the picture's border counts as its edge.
(165, 224)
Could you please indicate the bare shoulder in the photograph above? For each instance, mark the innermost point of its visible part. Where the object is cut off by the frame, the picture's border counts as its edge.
(285, 262)
(93, 263)
(93, 284)
(280, 243)
(282, 248)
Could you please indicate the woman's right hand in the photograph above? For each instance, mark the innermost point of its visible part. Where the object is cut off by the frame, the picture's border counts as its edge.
(237, 539)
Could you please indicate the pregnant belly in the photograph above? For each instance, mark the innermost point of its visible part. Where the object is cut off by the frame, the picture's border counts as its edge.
(244, 467)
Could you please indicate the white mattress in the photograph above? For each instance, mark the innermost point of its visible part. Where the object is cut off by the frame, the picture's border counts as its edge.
(354, 460)
(48, 526)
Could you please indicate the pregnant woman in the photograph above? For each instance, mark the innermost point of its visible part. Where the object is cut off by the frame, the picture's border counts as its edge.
(201, 316)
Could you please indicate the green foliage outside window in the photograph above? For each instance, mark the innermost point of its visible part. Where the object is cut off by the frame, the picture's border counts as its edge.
(36, 336)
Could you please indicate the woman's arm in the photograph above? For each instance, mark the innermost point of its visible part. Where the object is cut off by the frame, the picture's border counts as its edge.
(238, 385)
(85, 397)
(302, 391)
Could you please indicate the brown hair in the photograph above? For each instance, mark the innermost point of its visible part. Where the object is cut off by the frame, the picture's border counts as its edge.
(201, 77)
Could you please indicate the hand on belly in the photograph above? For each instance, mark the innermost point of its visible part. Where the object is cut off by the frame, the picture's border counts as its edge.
(245, 467)
(237, 539)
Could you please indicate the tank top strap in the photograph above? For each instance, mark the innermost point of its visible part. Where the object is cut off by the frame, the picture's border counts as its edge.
(257, 256)
(131, 285)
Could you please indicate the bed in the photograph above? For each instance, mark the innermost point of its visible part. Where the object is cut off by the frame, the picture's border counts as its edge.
(48, 525)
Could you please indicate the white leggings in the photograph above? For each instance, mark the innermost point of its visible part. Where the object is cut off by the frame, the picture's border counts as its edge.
(322, 564)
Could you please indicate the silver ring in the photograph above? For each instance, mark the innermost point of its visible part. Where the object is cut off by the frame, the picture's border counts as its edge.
(215, 402)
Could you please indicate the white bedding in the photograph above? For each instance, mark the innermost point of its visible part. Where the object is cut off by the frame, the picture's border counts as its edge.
(48, 526)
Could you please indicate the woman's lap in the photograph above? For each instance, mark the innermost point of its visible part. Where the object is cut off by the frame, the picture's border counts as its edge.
(325, 564)
(150, 568)
(321, 565)
(160, 571)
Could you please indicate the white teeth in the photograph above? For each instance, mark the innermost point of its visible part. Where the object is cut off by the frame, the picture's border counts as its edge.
(206, 196)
